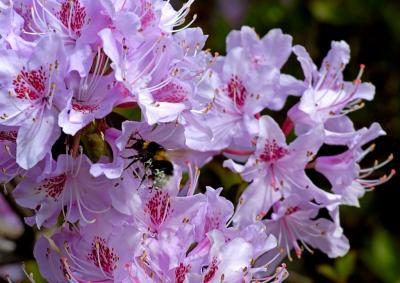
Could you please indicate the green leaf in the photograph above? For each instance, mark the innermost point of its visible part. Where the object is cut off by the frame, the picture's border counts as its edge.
(31, 267)
(228, 178)
(382, 256)
(132, 114)
(345, 266)
(327, 271)
(95, 146)
(342, 269)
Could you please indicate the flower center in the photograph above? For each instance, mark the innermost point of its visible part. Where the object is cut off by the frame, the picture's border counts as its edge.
(211, 271)
(237, 91)
(72, 15)
(158, 208)
(212, 223)
(102, 256)
(291, 210)
(272, 151)
(172, 93)
(53, 186)
(148, 17)
(180, 272)
(30, 84)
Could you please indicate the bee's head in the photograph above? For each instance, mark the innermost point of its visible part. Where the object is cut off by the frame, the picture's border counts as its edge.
(153, 147)
(138, 144)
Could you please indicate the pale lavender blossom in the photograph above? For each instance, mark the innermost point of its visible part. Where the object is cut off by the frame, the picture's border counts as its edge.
(295, 223)
(98, 253)
(94, 96)
(239, 92)
(344, 172)
(277, 170)
(327, 95)
(68, 189)
(33, 94)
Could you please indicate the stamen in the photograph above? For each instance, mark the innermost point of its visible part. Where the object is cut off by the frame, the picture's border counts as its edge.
(377, 165)
(194, 179)
(29, 276)
(103, 257)
(377, 182)
(158, 86)
(360, 73)
(75, 171)
(280, 275)
(67, 271)
(179, 19)
(80, 265)
(187, 25)
(8, 150)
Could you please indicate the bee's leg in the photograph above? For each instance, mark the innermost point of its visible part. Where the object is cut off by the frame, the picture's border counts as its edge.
(132, 138)
(130, 147)
(139, 135)
(135, 157)
(134, 160)
(142, 180)
(135, 173)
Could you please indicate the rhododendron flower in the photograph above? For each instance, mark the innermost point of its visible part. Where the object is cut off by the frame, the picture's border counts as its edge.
(295, 221)
(327, 95)
(68, 188)
(33, 94)
(94, 96)
(108, 111)
(272, 51)
(98, 252)
(240, 92)
(277, 170)
(343, 170)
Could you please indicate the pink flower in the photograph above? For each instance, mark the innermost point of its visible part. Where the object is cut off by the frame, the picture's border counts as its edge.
(238, 96)
(94, 96)
(68, 189)
(327, 95)
(98, 253)
(344, 172)
(277, 170)
(76, 22)
(294, 222)
(33, 93)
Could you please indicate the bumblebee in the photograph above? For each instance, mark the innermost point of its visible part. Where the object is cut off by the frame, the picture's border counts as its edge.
(154, 159)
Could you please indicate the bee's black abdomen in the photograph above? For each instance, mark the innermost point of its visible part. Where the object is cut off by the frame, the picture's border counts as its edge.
(164, 166)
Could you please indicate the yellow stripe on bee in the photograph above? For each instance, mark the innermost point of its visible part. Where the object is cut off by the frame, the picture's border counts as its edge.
(160, 155)
(146, 144)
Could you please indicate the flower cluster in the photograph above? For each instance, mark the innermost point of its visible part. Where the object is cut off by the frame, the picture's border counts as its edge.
(121, 193)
